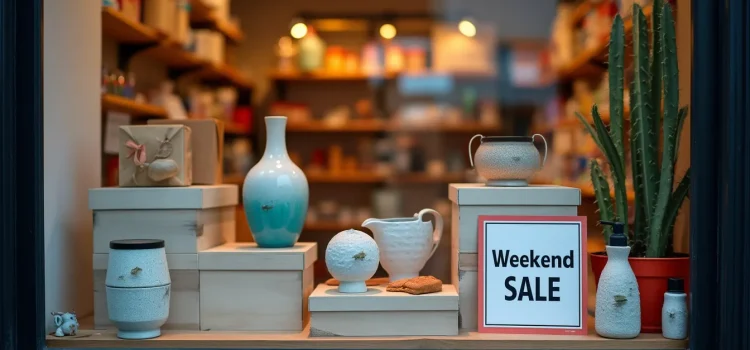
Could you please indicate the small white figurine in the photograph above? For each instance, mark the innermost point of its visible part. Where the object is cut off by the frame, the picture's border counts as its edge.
(66, 323)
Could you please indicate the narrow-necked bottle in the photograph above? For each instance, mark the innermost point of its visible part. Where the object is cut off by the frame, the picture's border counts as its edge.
(618, 302)
(674, 313)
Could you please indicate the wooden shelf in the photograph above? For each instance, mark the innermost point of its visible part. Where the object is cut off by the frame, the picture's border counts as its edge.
(232, 128)
(349, 126)
(125, 30)
(382, 126)
(234, 179)
(327, 76)
(344, 177)
(174, 56)
(587, 190)
(584, 64)
(330, 226)
(202, 14)
(223, 72)
(135, 109)
(302, 340)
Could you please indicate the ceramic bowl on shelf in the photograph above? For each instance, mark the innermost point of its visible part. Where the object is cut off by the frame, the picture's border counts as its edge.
(507, 160)
(352, 257)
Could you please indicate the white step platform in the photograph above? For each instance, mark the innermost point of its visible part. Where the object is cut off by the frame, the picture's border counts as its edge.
(469, 201)
(246, 288)
(381, 313)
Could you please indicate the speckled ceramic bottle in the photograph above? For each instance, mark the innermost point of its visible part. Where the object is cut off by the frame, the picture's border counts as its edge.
(275, 193)
(674, 313)
(138, 287)
(618, 301)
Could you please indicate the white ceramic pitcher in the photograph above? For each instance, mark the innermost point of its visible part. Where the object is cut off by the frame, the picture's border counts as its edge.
(406, 243)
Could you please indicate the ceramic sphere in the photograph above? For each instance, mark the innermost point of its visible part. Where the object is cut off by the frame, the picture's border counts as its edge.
(352, 257)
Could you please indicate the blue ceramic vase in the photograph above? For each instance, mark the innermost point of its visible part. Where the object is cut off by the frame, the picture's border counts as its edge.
(275, 193)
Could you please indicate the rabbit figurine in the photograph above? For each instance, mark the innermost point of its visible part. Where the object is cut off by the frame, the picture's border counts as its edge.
(66, 323)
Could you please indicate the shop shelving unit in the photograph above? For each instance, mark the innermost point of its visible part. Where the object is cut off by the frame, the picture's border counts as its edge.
(135, 38)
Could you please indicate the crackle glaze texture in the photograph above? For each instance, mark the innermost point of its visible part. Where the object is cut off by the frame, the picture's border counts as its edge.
(138, 313)
(275, 193)
(352, 257)
(405, 243)
(618, 301)
(507, 163)
(137, 268)
(674, 316)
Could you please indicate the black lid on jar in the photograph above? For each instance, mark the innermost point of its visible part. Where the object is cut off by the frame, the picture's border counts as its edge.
(507, 139)
(136, 244)
(676, 285)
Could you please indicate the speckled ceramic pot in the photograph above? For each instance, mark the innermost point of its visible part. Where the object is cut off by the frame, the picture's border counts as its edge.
(138, 313)
(275, 192)
(138, 287)
(135, 263)
(507, 160)
(406, 243)
(352, 257)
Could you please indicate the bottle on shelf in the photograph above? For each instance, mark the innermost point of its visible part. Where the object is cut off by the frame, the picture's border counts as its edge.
(618, 302)
(674, 313)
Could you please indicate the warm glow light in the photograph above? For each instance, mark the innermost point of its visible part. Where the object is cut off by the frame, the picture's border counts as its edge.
(387, 31)
(467, 28)
(299, 30)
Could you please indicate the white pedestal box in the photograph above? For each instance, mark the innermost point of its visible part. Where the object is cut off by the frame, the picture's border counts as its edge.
(246, 288)
(183, 304)
(469, 201)
(381, 313)
(188, 219)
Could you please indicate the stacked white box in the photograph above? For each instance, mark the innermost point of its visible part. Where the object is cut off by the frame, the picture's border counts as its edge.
(378, 312)
(188, 219)
(469, 201)
(246, 288)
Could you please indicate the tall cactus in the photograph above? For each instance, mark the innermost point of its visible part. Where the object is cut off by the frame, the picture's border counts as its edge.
(656, 204)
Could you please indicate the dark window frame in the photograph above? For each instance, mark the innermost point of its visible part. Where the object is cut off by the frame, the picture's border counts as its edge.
(720, 190)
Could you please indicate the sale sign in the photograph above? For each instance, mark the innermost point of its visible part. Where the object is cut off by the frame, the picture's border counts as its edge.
(532, 274)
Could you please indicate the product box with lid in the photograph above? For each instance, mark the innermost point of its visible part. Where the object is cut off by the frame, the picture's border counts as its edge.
(378, 312)
(188, 219)
(469, 201)
(246, 288)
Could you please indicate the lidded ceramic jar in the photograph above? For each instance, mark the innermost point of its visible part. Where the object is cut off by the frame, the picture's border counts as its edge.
(138, 287)
(507, 160)
(352, 257)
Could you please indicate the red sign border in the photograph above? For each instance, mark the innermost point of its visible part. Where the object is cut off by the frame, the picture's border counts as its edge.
(480, 277)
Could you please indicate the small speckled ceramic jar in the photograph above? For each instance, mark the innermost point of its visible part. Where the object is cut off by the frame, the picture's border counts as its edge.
(507, 160)
(352, 257)
(138, 287)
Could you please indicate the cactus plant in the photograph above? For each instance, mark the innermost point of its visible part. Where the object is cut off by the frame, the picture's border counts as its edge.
(656, 203)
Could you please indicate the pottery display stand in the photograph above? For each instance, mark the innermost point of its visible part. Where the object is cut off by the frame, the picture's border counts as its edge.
(188, 219)
(246, 288)
(469, 201)
(380, 313)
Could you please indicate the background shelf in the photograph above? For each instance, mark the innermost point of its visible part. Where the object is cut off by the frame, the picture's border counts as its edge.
(135, 109)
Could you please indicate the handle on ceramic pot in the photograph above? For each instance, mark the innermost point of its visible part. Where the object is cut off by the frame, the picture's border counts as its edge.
(471, 159)
(545, 146)
(437, 233)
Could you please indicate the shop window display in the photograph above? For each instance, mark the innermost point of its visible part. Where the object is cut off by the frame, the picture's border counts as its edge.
(317, 191)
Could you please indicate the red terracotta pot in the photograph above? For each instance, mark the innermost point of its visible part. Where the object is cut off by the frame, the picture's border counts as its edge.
(652, 275)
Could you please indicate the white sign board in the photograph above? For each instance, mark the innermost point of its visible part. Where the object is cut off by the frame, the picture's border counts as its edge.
(532, 274)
